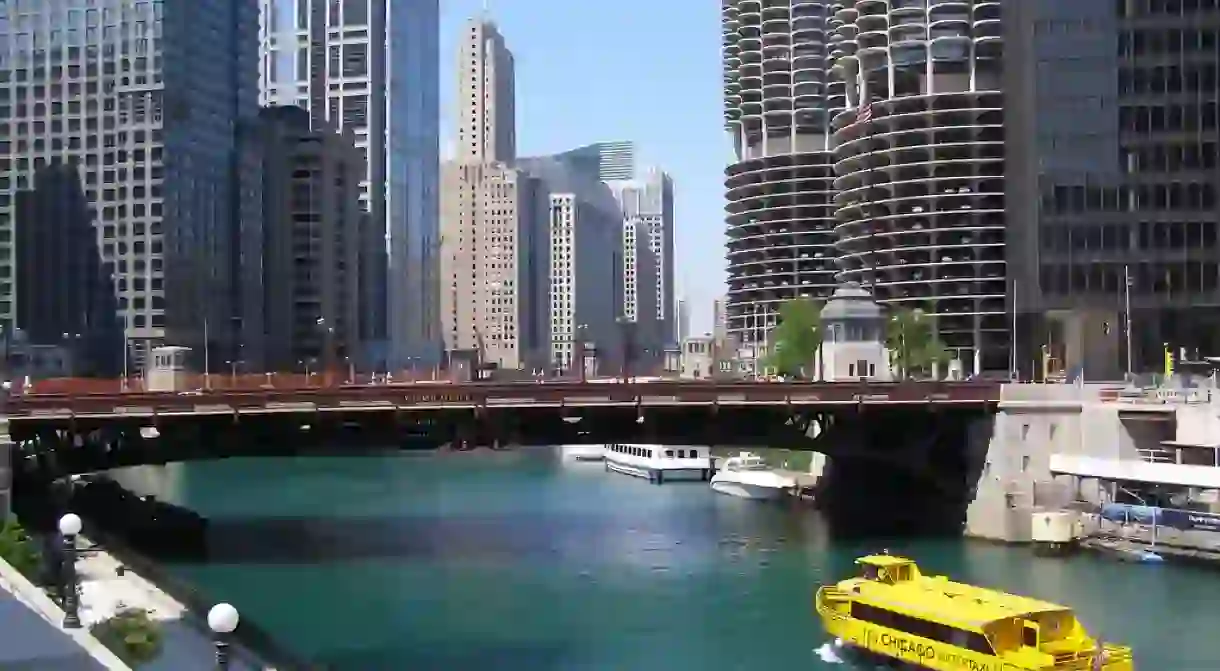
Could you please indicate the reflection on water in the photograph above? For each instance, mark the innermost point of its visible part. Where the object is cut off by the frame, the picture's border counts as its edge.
(516, 561)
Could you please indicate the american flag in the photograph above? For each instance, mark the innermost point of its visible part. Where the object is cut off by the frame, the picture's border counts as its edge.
(864, 113)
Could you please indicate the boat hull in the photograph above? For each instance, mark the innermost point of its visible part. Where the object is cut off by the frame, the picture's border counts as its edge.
(743, 490)
(583, 452)
(651, 474)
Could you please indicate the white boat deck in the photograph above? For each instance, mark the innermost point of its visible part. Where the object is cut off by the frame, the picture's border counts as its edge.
(1130, 470)
(659, 462)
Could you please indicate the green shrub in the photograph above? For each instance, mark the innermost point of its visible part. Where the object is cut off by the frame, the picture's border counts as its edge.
(18, 549)
(131, 635)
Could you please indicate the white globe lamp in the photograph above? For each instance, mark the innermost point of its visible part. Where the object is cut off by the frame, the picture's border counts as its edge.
(223, 618)
(69, 525)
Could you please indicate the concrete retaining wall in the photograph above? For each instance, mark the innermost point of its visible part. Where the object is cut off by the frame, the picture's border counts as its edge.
(1035, 421)
(6, 471)
(37, 601)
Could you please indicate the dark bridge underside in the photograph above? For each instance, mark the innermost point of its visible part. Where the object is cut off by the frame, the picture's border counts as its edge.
(914, 462)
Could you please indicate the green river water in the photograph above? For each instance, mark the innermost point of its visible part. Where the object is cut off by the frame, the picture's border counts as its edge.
(516, 561)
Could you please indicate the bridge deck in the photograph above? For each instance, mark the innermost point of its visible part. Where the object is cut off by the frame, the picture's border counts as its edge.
(416, 397)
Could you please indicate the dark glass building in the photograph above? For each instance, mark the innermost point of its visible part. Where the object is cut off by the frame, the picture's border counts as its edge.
(65, 295)
(1112, 180)
(145, 97)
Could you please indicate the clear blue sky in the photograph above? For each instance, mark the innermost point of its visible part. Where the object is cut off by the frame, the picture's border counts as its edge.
(641, 70)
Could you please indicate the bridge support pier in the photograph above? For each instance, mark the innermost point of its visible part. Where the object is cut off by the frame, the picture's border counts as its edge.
(913, 473)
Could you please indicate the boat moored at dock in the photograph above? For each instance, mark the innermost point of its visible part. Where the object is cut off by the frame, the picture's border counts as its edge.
(582, 452)
(747, 476)
(893, 612)
(660, 463)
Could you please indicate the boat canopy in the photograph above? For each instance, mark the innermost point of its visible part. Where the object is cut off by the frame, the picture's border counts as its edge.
(895, 582)
(1130, 470)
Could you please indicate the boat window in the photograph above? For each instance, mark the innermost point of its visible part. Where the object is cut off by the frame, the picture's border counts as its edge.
(669, 454)
(934, 631)
(870, 572)
(1030, 639)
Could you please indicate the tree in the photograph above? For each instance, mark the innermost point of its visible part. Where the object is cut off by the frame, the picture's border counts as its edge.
(796, 339)
(131, 635)
(18, 549)
(914, 346)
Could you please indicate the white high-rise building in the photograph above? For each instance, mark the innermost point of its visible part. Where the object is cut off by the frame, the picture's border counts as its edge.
(583, 255)
(371, 67)
(492, 213)
(647, 204)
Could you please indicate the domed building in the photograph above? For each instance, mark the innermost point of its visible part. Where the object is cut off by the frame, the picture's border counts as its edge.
(853, 337)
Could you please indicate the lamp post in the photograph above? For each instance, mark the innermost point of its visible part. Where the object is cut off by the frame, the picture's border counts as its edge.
(328, 335)
(223, 619)
(69, 527)
(69, 347)
(625, 327)
(581, 351)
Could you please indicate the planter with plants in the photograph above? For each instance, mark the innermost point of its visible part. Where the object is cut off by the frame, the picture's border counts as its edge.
(130, 634)
(18, 549)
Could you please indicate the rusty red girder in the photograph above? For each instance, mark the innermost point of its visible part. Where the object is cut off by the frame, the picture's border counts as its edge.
(435, 394)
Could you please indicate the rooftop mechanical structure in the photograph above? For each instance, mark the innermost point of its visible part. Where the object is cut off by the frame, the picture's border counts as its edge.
(919, 159)
(780, 209)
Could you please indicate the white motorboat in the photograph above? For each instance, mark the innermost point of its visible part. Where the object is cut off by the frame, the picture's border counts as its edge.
(582, 452)
(660, 463)
(747, 476)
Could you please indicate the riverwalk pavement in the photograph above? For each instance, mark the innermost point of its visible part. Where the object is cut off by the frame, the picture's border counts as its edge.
(187, 646)
(32, 634)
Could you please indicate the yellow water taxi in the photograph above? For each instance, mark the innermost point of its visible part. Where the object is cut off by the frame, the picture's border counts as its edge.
(892, 611)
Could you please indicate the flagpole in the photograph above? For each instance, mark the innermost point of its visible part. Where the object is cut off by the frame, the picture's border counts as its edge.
(1012, 340)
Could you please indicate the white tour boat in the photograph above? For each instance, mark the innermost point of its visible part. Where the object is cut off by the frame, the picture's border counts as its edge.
(660, 463)
(747, 476)
(582, 452)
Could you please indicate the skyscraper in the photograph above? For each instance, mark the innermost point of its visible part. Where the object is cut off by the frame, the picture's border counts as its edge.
(146, 108)
(1111, 166)
(610, 161)
(647, 205)
(370, 66)
(492, 256)
(65, 296)
(780, 211)
(311, 241)
(920, 155)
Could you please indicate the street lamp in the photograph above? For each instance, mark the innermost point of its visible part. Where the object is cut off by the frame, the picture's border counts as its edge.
(222, 620)
(625, 327)
(329, 352)
(69, 527)
(69, 347)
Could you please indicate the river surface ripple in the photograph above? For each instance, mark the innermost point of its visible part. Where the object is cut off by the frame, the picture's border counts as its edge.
(511, 561)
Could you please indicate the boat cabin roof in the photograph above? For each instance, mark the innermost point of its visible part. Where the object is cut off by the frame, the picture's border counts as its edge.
(938, 599)
(882, 561)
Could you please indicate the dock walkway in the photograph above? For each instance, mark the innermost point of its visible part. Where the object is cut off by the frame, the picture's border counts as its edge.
(187, 644)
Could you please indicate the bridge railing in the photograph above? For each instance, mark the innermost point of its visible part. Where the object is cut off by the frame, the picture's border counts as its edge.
(79, 386)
